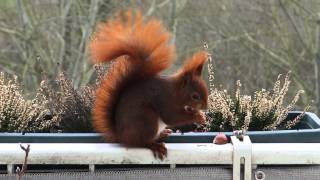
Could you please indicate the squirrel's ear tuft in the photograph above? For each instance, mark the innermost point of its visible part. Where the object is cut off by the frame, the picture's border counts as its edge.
(194, 65)
(198, 69)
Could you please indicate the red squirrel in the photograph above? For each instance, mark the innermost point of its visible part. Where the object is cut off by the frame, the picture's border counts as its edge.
(134, 104)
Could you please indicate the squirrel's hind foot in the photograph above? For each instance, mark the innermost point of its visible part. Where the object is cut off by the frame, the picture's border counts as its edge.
(159, 150)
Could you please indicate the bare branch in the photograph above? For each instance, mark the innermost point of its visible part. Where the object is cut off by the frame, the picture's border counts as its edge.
(21, 171)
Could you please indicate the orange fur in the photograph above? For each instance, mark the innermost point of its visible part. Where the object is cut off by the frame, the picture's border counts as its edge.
(132, 98)
(147, 42)
(107, 96)
(195, 63)
(147, 46)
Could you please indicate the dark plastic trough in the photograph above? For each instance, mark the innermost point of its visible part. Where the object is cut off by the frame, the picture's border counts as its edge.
(307, 131)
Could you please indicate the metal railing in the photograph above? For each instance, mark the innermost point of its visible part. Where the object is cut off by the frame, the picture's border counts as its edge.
(234, 154)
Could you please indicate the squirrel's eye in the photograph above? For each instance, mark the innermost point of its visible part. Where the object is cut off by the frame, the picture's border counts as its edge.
(195, 96)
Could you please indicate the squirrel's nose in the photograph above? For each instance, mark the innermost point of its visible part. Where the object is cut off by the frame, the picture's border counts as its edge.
(202, 106)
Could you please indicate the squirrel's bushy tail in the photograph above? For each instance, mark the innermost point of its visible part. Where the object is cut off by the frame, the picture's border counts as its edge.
(145, 42)
(141, 49)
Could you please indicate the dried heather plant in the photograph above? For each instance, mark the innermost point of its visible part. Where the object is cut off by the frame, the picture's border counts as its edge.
(210, 69)
(16, 113)
(70, 107)
(57, 106)
(265, 111)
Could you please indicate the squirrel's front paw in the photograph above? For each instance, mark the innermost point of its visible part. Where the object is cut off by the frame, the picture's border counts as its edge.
(201, 117)
(163, 134)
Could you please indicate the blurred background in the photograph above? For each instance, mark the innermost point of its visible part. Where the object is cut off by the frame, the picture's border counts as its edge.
(252, 41)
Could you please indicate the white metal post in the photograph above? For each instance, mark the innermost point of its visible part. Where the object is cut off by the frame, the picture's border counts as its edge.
(242, 151)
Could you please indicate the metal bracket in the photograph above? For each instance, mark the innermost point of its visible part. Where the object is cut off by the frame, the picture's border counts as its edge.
(242, 151)
(92, 168)
(10, 168)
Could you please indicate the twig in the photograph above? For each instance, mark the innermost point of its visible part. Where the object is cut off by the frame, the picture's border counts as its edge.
(297, 119)
(21, 171)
